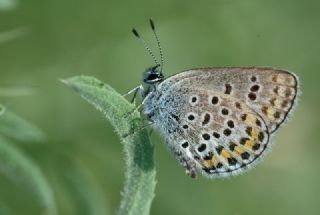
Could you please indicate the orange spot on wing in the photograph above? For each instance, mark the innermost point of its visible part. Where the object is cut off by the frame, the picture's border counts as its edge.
(249, 143)
(225, 154)
(211, 163)
(238, 150)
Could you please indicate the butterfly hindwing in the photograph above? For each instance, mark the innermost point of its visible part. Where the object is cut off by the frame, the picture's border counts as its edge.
(216, 133)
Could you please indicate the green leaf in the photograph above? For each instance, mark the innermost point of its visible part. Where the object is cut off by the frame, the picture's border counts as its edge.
(14, 126)
(140, 173)
(22, 170)
(17, 91)
(86, 191)
(9, 35)
(2, 109)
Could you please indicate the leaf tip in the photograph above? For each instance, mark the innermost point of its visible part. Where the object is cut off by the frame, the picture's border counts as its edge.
(65, 81)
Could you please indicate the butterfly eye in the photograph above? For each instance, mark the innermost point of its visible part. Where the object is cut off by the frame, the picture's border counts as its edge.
(153, 77)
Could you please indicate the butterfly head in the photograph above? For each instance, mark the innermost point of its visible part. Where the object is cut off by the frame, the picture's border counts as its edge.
(153, 75)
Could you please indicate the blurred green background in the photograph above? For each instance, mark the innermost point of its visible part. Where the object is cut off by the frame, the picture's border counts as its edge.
(82, 158)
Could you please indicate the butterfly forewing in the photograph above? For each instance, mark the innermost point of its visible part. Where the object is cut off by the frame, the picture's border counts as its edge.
(269, 92)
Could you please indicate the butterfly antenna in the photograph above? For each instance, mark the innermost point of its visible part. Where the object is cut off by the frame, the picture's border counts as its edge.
(158, 42)
(137, 35)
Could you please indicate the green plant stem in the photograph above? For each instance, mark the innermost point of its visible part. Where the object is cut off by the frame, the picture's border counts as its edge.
(140, 173)
(22, 170)
(16, 127)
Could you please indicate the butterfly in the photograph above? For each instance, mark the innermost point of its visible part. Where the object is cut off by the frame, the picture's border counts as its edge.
(217, 121)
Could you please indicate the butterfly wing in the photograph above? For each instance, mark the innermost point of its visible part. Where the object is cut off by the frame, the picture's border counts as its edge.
(217, 134)
(219, 120)
(269, 92)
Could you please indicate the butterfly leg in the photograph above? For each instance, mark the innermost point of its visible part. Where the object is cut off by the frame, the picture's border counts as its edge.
(132, 131)
(135, 109)
(139, 89)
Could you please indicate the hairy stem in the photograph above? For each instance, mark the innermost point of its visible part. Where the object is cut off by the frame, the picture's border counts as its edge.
(140, 173)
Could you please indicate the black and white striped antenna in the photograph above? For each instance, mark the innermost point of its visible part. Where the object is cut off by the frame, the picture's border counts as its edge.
(143, 42)
(158, 42)
(137, 35)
